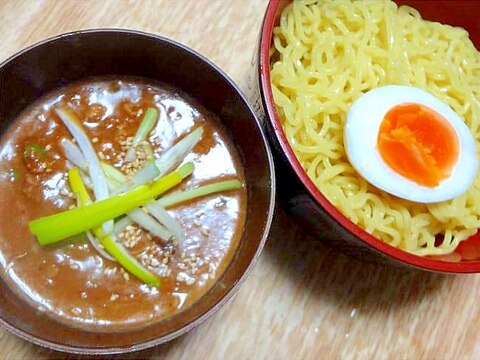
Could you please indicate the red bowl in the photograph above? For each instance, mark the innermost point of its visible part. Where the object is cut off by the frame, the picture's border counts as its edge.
(303, 198)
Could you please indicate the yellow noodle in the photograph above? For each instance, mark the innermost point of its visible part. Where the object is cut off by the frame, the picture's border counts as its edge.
(327, 53)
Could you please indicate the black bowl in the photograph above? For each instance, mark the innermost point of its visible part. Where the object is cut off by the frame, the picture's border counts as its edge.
(66, 58)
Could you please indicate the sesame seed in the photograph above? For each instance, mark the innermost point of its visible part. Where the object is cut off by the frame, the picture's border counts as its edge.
(95, 140)
(114, 297)
(76, 311)
(181, 276)
(154, 262)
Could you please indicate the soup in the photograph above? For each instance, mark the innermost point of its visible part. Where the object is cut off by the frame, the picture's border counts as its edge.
(76, 281)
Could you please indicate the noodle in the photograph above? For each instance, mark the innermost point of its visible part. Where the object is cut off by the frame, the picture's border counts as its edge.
(325, 55)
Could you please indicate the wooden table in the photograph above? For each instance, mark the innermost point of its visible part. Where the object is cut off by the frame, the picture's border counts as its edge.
(303, 300)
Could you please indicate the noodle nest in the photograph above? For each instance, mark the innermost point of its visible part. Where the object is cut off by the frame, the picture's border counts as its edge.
(325, 55)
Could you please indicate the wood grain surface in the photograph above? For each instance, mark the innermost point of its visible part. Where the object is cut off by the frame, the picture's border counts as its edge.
(303, 300)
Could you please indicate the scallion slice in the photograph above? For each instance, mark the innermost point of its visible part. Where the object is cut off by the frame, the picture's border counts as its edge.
(111, 246)
(59, 226)
(186, 195)
(166, 162)
(34, 148)
(167, 220)
(100, 186)
(147, 124)
(113, 173)
(73, 154)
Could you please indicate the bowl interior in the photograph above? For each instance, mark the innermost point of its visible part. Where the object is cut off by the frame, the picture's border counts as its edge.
(70, 57)
(450, 12)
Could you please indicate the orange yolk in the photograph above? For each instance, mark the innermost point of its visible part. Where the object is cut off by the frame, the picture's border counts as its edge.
(418, 143)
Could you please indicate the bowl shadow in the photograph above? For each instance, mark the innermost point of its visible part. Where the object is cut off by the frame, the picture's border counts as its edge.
(330, 276)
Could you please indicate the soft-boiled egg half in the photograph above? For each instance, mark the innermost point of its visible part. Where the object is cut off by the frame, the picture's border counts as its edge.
(410, 144)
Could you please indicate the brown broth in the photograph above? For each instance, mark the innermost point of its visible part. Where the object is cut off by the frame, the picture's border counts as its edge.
(70, 281)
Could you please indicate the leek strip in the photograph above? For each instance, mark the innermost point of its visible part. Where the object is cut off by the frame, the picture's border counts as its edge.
(167, 220)
(148, 121)
(129, 262)
(149, 224)
(59, 226)
(166, 162)
(182, 196)
(98, 247)
(113, 173)
(115, 179)
(121, 224)
(34, 148)
(74, 154)
(86, 180)
(78, 187)
(175, 155)
(148, 150)
(100, 186)
(112, 247)
(147, 124)
(112, 185)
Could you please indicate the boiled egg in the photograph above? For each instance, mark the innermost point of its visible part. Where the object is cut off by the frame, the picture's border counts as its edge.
(410, 144)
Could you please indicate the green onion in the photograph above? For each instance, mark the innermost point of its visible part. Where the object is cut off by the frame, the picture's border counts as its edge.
(14, 174)
(149, 223)
(148, 150)
(128, 261)
(74, 154)
(148, 121)
(56, 227)
(34, 148)
(182, 196)
(164, 218)
(116, 179)
(147, 124)
(113, 173)
(167, 161)
(99, 181)
(115, 249)
(78, 187)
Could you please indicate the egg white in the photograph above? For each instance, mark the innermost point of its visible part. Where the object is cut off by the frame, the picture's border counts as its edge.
(360, 140)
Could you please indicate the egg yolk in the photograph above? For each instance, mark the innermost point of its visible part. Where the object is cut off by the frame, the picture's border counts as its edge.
(418, 143)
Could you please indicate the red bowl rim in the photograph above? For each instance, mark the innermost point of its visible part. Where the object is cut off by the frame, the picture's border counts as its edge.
(318, 197)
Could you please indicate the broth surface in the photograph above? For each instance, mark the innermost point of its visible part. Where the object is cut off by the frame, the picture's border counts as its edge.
(70, 280)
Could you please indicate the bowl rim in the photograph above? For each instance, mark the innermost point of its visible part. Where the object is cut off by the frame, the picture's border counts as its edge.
(74, 349)
(314, 193)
